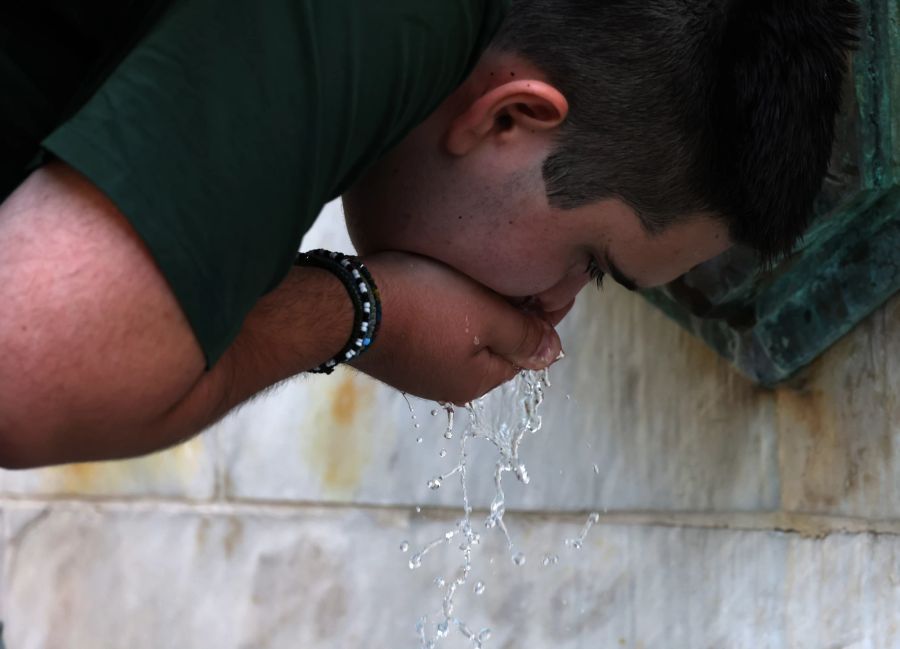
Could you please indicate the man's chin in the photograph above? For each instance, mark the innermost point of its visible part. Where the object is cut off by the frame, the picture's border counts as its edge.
(531, 304)
(555, 317)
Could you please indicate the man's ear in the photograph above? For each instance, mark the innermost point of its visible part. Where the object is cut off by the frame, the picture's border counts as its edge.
(507, 111)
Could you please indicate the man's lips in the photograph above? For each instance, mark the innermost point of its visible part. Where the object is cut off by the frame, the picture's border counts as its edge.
(527, 303)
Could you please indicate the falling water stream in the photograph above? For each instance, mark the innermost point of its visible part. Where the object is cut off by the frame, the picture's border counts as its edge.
(506, 434)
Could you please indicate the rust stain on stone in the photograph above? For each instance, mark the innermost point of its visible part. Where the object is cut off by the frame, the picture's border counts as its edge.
(202, 533)
(77, 478)
(233, 536)
(345, 402)
(817, 457)
(837, 426)
(341, 440)
(102, 478)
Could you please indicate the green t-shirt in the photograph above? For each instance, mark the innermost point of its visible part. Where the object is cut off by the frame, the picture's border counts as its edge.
(223, 131)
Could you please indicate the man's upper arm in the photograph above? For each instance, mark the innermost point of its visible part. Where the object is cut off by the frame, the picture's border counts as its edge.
(92, 341)
(225, 129)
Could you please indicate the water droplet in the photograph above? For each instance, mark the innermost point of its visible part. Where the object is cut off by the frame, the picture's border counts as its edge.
(448, 434)
(596, 470)
(418, 425)
(550, 560)
(484, 636)
(439, 582)
(415, 561)
(594, 518)
(443, 452)
(522, 474)
(435, 483)
(404, 547)
(434, 413)
(519, 558)
(419, 440)
(568, 397)
(418, 510)
(479, 588)
(442, 629)
(575, 544)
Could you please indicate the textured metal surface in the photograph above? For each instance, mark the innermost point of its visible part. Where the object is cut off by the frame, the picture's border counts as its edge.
(772, 323)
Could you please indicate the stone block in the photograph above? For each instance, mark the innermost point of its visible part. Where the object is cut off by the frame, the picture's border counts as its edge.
(100, 577)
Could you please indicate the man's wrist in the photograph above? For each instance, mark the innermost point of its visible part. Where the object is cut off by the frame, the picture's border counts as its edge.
(363, 293)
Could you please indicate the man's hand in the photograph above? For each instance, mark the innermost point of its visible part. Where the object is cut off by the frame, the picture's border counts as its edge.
(447, 338)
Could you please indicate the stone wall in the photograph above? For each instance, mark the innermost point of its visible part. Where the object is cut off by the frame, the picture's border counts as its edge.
(733, 516)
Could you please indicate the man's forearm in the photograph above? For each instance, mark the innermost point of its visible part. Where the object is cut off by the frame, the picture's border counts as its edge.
(299, 325)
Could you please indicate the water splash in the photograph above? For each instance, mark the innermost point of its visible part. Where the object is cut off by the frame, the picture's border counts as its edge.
(412, 414)
(578, 542)
(527, 392)
(448, 433)
(550, 560)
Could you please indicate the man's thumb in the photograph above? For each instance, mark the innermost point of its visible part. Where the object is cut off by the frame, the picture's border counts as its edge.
(538, 345)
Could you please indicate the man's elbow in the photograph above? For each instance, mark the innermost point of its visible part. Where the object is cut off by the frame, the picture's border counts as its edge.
(36, 430)
(19, 444)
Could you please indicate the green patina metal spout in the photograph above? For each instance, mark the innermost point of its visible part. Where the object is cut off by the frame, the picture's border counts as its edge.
(772, 323)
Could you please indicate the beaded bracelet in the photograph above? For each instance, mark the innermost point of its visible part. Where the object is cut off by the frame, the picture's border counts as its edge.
(364, 295)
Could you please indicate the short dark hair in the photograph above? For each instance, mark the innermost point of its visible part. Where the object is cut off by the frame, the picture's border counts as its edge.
(685, 106)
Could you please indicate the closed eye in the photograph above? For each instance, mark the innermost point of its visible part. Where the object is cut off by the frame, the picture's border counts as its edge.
(595, 272)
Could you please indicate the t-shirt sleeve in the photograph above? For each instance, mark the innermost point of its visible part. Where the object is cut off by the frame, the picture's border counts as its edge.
(224, 131)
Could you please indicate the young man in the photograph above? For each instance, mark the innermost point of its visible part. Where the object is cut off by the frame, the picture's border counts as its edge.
(163, 161)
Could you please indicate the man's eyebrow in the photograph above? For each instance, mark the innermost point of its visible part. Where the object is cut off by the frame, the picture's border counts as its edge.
(620, 278)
